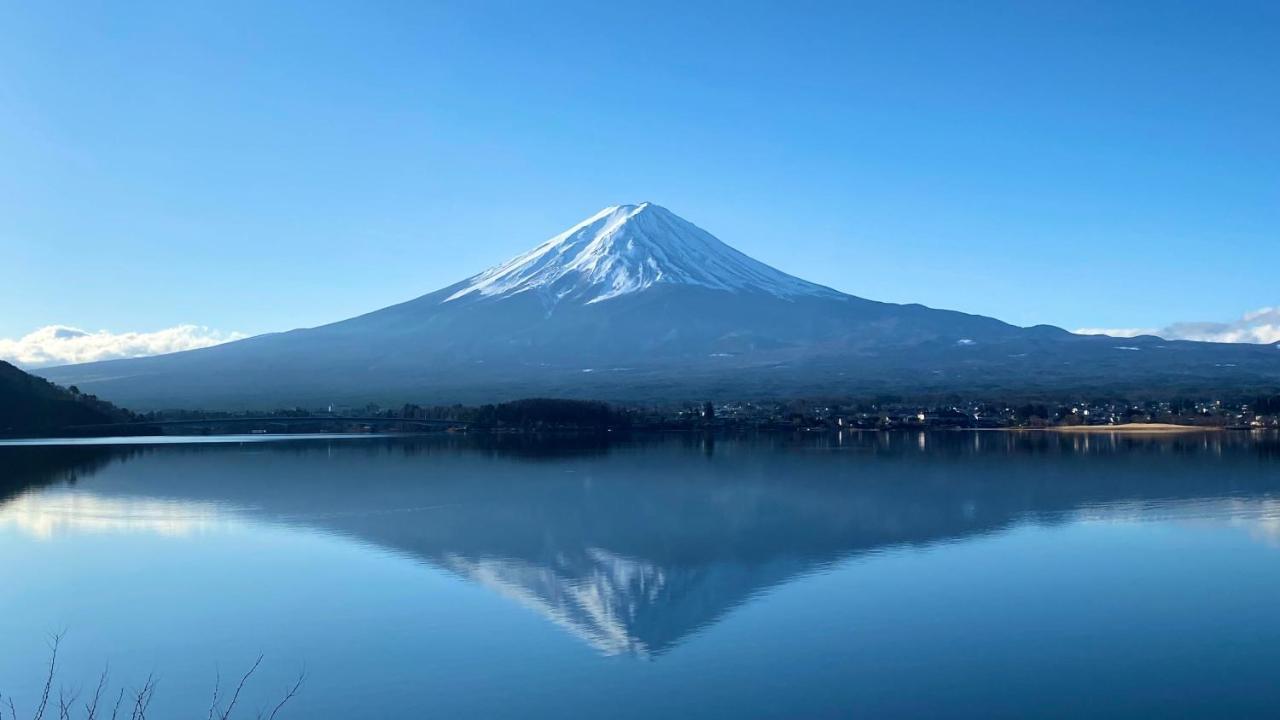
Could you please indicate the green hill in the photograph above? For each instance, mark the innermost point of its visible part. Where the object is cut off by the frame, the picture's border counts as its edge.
(31, 406)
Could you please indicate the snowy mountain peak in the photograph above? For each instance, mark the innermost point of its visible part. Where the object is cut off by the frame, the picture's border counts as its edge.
(624, 249)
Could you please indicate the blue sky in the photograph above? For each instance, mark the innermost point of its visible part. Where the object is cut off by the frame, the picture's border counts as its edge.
(253, 168)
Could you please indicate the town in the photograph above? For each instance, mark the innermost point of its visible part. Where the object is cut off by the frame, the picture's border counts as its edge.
(883, 413)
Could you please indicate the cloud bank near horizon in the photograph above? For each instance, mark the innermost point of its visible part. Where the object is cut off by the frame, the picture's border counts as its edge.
(1261, 326)
(66, 345)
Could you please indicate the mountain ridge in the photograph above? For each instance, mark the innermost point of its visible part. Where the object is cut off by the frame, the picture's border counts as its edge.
(635, 303)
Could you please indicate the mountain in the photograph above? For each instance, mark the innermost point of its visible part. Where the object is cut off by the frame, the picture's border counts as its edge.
(31, 405)
(636, 303)
(628, 249)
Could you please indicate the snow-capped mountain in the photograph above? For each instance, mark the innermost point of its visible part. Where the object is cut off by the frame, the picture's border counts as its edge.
(636, 303)
(626, 249)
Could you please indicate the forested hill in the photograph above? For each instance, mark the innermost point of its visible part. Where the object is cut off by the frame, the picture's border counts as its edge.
(31, 405)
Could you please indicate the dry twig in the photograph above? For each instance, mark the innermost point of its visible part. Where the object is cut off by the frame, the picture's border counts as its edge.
(302, 676)
(236, 696)
(54, 642)
(91, 708)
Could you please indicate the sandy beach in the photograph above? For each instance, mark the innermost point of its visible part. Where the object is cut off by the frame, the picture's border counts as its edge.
(1134, 428)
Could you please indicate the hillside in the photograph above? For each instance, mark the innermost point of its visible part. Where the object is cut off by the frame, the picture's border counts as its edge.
(32, 405)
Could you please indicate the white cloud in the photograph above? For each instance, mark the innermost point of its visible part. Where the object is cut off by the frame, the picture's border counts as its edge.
(63, 345)
(1117, 332)
(1260, 326)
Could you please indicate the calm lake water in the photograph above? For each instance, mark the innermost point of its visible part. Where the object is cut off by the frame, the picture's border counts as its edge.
(880, 575)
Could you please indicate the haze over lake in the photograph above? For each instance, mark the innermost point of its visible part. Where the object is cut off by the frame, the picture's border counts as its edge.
(891, 574)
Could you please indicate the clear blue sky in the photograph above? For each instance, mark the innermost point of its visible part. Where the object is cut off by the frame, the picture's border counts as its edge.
(259, 168)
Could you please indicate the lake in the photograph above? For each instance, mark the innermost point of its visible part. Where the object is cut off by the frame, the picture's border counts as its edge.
(961, 574)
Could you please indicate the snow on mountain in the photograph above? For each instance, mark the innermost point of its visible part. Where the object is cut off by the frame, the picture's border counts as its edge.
(628, 248)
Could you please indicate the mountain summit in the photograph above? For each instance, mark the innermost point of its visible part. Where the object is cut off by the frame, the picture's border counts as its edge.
(626, 249)
(635, 303)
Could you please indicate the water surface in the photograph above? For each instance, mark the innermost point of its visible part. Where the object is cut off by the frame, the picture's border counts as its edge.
(886, 575)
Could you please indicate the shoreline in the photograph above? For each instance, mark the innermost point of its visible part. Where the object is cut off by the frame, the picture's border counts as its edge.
(1135, 429)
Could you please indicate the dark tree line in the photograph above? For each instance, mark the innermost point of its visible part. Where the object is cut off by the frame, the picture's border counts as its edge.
(533, 413)
(1267, 405)
(29, 404)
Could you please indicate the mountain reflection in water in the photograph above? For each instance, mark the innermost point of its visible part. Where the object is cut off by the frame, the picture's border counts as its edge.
(633, 546)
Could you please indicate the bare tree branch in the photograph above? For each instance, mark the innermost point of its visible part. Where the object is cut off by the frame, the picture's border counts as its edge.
(217, 687)
(302, 677)
(91, 708)
(151, 694)
(119, 699)
(48, 681)
(142, 700)
(66, 702)
(236, 696)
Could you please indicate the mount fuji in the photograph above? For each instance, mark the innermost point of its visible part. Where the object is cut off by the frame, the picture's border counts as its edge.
(626, 249)
(636, 303)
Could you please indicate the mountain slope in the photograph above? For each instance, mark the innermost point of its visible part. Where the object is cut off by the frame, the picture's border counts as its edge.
(29, 404)
(637, 303)
(626, 249)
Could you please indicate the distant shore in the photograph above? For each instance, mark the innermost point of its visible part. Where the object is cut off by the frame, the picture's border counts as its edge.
(1134, 428)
